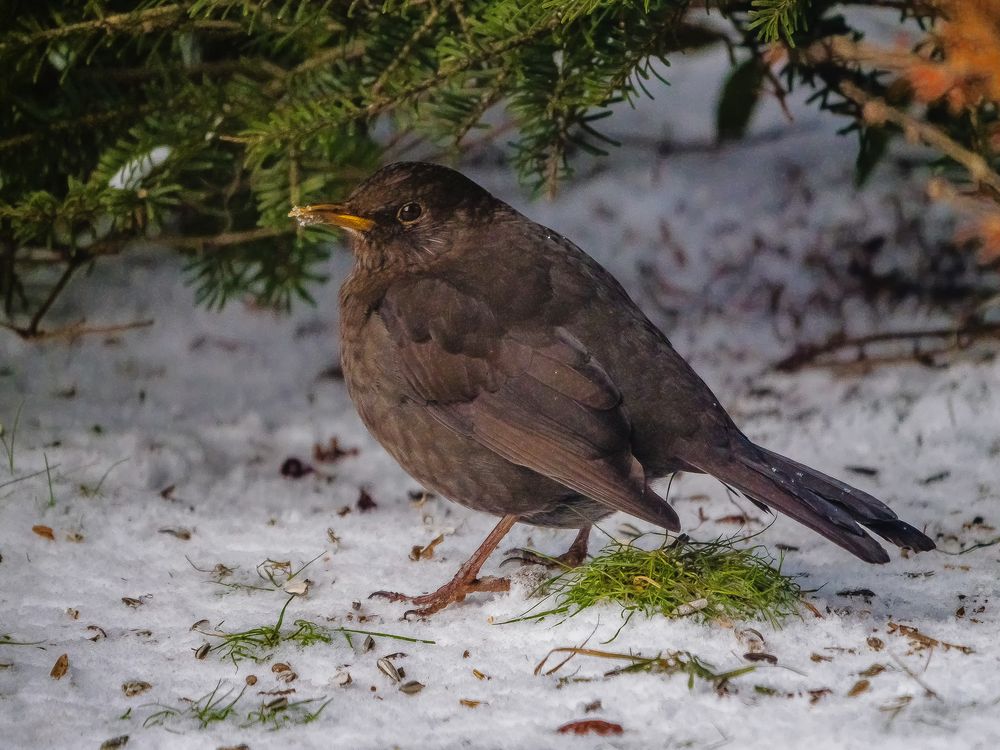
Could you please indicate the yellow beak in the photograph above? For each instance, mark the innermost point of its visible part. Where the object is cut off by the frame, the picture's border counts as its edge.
(331, 214)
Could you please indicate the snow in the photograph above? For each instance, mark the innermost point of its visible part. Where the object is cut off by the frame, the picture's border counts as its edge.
(212, 405)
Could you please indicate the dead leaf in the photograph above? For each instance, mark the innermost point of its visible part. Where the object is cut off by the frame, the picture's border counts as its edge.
(859, 687)
(874, 669)
(332, 451)
(60, 668)
(591, 726)
(919, 641)
(135, 687)
(426, 552)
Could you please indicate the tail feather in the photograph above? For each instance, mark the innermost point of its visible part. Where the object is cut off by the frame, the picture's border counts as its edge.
(828, 506)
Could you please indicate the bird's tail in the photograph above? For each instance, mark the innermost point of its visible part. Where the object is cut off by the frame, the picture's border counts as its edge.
(826, 505)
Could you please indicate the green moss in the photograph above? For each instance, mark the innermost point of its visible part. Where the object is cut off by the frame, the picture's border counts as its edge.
(711, 581)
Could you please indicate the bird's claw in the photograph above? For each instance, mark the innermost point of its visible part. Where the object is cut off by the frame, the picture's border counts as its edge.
(530, 557)
(392, 596)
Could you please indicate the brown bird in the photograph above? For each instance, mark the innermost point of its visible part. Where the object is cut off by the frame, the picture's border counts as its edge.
(506, 370)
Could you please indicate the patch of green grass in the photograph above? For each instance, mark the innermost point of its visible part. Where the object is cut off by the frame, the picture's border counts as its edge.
(7, 441)
(278, 713)
(258, 644)
(669, 663)
(712, 581)
(92, 491)
(218, 706)
(209, 709)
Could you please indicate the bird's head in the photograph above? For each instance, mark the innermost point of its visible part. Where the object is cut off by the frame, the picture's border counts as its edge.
(406, 214)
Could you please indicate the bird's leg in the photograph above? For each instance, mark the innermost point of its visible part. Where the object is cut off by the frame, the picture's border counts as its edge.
(466, 580)
(571, 558)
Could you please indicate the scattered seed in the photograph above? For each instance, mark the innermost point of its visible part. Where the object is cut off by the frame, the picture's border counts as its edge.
(366, 502)
(343, 679)
(44, 531)
(479, 675)
(387, 668)
(691, 607)
(816, 695)
(412, 687)
(591, 726)
(876, 644)
(332, 536)
(74, 614)
(251, 679)
(179, 532)
(98, 633)
(920, 641)
(465, 654)
(199, 625)
(332, 451)
(935, 477)
(202, 651)
(469, 703)
(298, 588)
(344, 511)
(60, 668)
(293, 468)
(277, 704)
(74, 536)
(115, 742)
(865, 593)
(593, 706)
(755, 656)
(234, 747)
(874, 669)
(368, 644)
(135, 687)
(132, 602)
(859, 687)
(820, 657)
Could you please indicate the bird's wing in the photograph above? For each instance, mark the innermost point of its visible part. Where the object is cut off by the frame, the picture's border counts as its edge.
(537, 398)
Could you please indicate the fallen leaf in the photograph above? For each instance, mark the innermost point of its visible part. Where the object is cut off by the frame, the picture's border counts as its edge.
(874, 669)
(44, 532)
(135, 687)
(591, 726)
(859, 687)
(60, 668)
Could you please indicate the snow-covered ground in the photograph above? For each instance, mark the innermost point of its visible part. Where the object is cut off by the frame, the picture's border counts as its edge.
(165, 446)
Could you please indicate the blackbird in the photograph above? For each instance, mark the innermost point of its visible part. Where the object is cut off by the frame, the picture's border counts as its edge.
(507, 370)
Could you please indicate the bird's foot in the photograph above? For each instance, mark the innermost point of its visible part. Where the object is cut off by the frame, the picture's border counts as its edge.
(454, 591)
(569, 559)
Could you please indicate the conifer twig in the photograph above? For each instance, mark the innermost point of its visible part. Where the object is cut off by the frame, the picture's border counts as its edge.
(875, 110)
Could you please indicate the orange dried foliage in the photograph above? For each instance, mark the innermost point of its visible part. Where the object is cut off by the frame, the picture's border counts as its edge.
(970, 40)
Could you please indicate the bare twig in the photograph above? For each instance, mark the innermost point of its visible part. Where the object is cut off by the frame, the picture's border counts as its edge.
(75, 331)
(807, 354)
(876, 110)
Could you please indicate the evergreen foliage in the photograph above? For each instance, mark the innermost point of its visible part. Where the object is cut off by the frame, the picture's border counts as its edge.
(198, 123)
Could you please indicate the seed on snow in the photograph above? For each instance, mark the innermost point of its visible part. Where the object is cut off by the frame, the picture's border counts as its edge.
(387, 668)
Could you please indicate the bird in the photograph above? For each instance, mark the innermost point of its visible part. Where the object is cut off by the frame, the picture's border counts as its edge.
(506, 370)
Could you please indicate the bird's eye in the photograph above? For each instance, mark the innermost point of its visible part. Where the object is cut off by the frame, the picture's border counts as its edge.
(409, 212)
